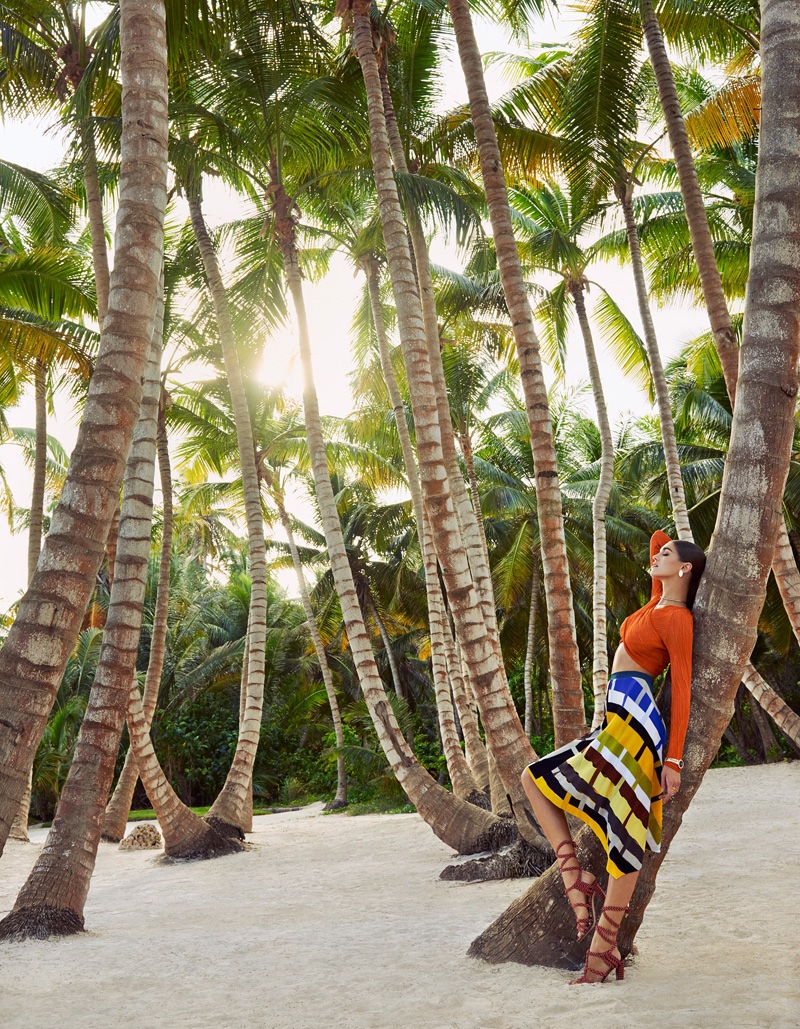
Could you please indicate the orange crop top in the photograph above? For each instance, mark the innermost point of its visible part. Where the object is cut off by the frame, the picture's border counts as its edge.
(655, 637)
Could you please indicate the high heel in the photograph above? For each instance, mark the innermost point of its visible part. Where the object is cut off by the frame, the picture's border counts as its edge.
(589, 890)
(608, 957)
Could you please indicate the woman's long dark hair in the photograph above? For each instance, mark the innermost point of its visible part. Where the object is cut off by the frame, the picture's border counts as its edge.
(692, 553)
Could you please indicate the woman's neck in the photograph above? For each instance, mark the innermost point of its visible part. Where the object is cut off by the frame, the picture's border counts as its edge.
(674, 591)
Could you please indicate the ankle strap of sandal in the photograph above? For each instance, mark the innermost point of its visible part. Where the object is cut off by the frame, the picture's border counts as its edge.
(563, 859)
(609, 935)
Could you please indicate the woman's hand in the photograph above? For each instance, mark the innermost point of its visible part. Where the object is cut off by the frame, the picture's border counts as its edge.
(670, 782)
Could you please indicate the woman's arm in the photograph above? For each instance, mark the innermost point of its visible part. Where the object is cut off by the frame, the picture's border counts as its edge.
(678, 640)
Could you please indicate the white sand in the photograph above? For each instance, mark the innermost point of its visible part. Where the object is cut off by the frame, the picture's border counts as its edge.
(341, 923)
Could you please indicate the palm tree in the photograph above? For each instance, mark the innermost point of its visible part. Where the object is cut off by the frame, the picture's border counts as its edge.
(37, 647)
(726, 608)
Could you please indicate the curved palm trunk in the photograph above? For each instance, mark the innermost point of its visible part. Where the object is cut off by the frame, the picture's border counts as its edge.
(97, 228)
(464, 783)
(527, 674)
(227, 810)
(702, 244)
(680, 514)
(40, 641)
(461, 825)
(469, 518)
(510, 748)
(186, 837)
(39, 468)
(764, 695)
(340, 800)
(536, 928)
(118, 809)
(52, 900)
(568, 710)
(19, 827)
(599, 505)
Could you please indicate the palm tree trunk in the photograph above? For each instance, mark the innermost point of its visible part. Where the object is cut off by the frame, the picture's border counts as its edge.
(340, 800)
(97, 229)
(599, 506)
(702, 244)
(538, 926)
(510, 748)
(118, 809)
(52, 900)
(787, 720)
(226, 811)
(464, 783)
(568, 710)
(39, 468)
(459, 824)
(468, 518)
(39, 643)
(680, 514)
(527, 674)
(394, 671)
(246, 823)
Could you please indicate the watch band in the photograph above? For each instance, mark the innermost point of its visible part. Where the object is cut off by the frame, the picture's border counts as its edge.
(674, 761)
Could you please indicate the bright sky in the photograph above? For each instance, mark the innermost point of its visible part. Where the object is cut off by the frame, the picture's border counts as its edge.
(330, 306)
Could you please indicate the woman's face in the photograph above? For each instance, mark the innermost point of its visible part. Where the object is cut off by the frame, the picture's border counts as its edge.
(667, 563)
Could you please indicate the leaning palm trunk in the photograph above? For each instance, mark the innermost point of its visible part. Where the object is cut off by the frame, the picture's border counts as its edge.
(568, 710)
(680, 513)
(510, 747)
(599, 505)
(227, 810)
(461, 825)
(391, 660)
(97, 229)
(39, 643)
(340, 800)
(464, 783)
(118, 809)
(538, 926)
(697, 220)
(764, 695)
(527, 674)
(469, 518)
(52, 900)
(39, 468)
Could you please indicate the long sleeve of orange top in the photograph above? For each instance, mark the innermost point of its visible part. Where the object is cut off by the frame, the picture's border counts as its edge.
(678, 641)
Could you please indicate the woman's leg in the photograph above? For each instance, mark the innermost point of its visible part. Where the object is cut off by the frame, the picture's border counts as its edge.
(604, 940)
(553, 821)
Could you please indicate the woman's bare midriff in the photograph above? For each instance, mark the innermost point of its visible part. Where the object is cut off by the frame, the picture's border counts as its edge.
(623, 662)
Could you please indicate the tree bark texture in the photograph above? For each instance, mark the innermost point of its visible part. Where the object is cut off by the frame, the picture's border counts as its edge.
(118, 809)
(97, 228)
(226, 811)
(49, 618)
(697, 220)
(39, 468)
(52, 900)
(568, 709)
(787, 720)
(510, 747)
(527, 672)
(731, 593)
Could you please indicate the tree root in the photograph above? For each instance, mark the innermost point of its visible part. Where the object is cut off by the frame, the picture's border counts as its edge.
(503, 832)
(519, 861)
(227, 829)
(332, 805)
(202, 846)
(40, 923)
(480, 799)
(111, 837)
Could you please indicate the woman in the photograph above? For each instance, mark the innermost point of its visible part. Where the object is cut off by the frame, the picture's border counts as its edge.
(616, 777)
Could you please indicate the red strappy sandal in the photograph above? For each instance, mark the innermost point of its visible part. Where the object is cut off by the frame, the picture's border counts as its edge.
(608, 957)
(589, 890)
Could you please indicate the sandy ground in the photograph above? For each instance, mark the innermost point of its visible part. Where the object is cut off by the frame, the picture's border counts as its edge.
(341, 923)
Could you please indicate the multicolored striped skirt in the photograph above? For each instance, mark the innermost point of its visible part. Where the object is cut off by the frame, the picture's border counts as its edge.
(611, 778)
